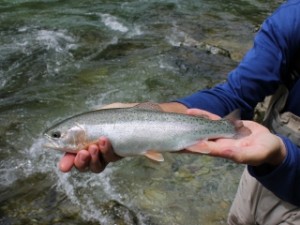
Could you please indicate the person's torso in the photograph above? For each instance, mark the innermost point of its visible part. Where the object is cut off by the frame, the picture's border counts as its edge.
(283, 113)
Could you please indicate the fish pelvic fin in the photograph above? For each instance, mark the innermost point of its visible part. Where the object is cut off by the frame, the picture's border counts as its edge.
(154, 155)
(201, 146)
(235, 119)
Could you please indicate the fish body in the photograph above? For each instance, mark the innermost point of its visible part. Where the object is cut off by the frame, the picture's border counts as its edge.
(137, 131)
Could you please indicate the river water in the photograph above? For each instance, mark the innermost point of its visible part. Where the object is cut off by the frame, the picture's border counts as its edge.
(59, 58)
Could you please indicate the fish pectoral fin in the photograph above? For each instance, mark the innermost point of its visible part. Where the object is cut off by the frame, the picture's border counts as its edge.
(154, 155)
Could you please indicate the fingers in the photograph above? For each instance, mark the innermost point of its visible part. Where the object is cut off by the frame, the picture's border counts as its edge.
(108, 154)
(203, 113)
(82, 160)
(95, 158)
(238, 151)
(67, 162)
(96, 165)
(224, 149)
(101, 155)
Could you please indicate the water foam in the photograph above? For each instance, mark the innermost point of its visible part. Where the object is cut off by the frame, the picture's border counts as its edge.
(58, 40)
(23, 167)
(136, 31)
(88, 191)
(99, 100)
(112, 23)
(58, 44)
(85, 190)
(177, 37)
(3, 81)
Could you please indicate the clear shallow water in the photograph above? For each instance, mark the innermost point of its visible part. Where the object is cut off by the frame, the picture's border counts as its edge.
(58, 58)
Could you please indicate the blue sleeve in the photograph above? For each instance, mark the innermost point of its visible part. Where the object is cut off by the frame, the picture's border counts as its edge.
(264, 67)
(261, 70)
(284, 180)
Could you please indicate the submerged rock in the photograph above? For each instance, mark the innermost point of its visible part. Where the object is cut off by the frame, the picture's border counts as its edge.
(119, 214)
(209, 48)
(212, 49)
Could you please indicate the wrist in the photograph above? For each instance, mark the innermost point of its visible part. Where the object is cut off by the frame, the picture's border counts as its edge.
(279, 154)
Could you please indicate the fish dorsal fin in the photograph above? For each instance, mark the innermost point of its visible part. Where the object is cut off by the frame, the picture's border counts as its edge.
(154, 155)
(147, 106)
(130, 106)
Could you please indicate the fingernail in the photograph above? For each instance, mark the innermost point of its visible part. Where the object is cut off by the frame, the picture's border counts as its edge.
(102, 143)
(93, 151)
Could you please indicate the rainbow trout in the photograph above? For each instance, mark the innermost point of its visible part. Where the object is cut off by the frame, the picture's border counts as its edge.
(140, 130)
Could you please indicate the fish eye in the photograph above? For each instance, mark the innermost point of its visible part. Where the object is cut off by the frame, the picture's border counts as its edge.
(56, 134)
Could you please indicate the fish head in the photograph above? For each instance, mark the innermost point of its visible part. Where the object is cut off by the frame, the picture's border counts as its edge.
(66, 139)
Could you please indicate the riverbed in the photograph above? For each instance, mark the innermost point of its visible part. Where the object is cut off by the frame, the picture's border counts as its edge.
(59, 58)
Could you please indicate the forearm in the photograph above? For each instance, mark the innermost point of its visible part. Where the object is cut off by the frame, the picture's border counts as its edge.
(173, 107)
(217, 100)
(279, 155)
(261, 71)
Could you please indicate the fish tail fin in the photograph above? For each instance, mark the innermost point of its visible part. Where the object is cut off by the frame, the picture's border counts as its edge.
(235, 119)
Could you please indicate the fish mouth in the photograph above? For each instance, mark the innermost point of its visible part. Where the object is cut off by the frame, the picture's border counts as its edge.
(51, 143)
(57, 145)
(48, 145)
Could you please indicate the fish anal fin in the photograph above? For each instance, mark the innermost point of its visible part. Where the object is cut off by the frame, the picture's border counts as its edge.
(201, 146)
(154, 155)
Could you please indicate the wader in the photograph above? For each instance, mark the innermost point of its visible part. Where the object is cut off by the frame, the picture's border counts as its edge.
(253, 203)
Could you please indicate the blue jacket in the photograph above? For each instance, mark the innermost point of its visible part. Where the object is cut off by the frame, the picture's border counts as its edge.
(274, 55)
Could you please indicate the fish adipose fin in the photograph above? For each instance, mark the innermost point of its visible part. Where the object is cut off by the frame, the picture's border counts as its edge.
(154, 155)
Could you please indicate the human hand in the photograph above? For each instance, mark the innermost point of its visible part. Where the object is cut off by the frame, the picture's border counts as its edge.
(260, 147)
(95, 158)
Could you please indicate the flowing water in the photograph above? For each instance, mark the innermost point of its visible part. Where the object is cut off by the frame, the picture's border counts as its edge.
(61, 57)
